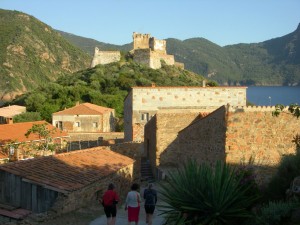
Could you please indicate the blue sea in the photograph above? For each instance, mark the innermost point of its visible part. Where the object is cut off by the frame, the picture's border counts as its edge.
(266, 96)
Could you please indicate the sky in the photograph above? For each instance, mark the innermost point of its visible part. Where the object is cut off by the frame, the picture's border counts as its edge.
(223, 22)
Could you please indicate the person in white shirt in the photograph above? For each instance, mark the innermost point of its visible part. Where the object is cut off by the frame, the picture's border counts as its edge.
(133, 202)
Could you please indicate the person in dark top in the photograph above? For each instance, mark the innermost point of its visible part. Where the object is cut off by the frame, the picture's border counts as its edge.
(150, 196)
(110, 200)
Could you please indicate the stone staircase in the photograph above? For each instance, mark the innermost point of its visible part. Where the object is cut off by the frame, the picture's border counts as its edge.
(146, 172)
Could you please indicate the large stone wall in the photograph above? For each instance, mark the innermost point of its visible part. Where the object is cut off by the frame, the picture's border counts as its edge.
(203, 140)
(161, 136)
(254, 134)
(105, 57)
(240, 135)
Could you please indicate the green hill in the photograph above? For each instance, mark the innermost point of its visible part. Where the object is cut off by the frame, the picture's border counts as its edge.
(105, 85)
(32, 53)
(272, 62)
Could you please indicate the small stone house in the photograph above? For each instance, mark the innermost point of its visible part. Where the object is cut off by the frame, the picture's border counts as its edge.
(64, 182)
(7, 113)
(16, 146)
(85, 117)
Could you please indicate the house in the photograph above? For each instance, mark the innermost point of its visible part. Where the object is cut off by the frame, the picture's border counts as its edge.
(15, 145)
(85, 117)
(64, 182)
(7, 113)
(235, 135)
(142, 103)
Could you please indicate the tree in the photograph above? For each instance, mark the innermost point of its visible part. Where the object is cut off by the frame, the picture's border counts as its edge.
(44, 135)
(27, 117)
(294, 109)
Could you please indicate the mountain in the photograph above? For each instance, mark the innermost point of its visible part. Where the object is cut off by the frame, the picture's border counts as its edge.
(272, 62)
(88, 45)
(32, 53)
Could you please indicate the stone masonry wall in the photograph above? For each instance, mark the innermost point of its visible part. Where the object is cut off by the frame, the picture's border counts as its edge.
(204, 140)
(167, 127)
(105, 57)
(88, 195)
(253, 133)
(132, 150)
(150, 143)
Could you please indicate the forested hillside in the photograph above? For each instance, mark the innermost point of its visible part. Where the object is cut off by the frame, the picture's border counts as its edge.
(105, 85)
(32, 53)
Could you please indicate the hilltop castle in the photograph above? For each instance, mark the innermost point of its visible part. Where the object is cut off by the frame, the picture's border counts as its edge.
(146, 50)
(150, 51)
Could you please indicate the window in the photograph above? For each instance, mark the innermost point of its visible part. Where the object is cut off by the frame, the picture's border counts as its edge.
(59, 124)
(95, 124)
(145, 116)
(77, 124)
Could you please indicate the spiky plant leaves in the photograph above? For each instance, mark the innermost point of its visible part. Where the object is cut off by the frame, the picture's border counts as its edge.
(199, 194)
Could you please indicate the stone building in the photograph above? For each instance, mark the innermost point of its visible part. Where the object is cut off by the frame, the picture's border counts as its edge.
(64, 182)
(236, 135)
(150, 51)
(85, 117)
(7, 113)
(142, 103)
(105, 57)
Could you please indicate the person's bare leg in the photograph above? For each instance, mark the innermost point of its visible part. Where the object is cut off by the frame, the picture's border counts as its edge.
(150, 219)
(108, 220)
(113, 221)
(147, 218)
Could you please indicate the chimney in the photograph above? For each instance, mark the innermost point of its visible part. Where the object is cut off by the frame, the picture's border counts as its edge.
(9, 120)
(77, 103)
(203, 83)
(152, 84)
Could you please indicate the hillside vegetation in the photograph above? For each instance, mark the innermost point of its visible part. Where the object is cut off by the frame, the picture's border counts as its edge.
(32, 53)
(105, 85)
(272, 62)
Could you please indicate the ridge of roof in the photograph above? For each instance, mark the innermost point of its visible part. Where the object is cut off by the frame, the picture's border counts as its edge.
(84, 109)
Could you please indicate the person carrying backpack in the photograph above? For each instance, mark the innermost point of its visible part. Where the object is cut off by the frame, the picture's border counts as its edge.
(109, 201)
(150, 196)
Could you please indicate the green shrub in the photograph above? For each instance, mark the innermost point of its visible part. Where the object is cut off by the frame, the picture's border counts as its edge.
(199, 194)
(274, 213)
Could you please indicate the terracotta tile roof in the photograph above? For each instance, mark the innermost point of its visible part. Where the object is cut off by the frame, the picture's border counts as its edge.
(16, 132)
(12, 110)
(85, 109)
(69, 171)
(3, 155)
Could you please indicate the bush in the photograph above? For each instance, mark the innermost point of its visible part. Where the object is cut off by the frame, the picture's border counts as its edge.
(199, 194)
(273, 213)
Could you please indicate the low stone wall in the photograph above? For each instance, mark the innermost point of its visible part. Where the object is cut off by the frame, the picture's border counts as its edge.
(132, 150)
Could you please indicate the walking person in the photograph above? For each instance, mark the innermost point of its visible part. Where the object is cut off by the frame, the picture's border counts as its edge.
(110, 200)
(150, 196)
(133, 201)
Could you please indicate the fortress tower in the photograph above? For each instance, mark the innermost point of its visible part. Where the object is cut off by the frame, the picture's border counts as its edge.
(105, 57)
(150, 51)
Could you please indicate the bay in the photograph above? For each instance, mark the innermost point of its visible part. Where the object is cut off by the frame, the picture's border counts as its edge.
(270, 96)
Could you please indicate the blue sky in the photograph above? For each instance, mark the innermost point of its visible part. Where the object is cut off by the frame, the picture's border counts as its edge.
(223, 22)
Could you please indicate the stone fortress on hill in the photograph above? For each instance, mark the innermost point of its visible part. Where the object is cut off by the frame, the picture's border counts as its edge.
(146, 50)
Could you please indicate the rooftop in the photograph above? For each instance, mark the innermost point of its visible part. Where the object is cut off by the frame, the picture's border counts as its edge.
(69, 171)
(12, 110)
(85, 109)
(16, 132)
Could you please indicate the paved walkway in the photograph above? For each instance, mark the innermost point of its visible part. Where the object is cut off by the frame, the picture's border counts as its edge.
(122, 216)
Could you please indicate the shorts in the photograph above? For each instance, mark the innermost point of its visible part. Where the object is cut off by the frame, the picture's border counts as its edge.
(110, 211)
(149, 209)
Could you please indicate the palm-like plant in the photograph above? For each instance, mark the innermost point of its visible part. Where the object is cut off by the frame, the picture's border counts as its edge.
(199, 194)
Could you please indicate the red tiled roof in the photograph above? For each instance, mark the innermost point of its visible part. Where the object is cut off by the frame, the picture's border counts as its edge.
(16, 132)
(12, 110)
(69, 171)
(84, 109)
